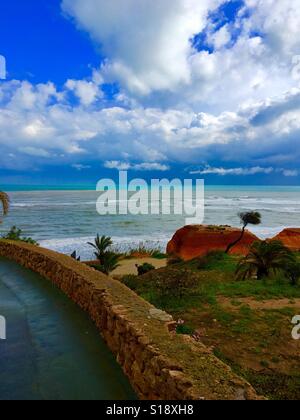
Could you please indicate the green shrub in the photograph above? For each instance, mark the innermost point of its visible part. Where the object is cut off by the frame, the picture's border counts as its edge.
(178, 283)
(292, 271)
(184, 330)
(158, 255)
(144, 269)
(15, 234)
(131, 281)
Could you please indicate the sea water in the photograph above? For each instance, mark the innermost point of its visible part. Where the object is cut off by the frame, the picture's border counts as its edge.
(65, 218)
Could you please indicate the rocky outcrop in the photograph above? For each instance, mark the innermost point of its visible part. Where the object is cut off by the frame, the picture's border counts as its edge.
(290, 238)
(160, 365)
(196, 241)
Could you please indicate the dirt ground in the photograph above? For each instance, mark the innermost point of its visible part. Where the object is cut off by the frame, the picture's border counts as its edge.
(262, 305)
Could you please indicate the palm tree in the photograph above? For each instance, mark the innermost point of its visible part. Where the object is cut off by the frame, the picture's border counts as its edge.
(110, 263)
(264, 259)
(248, 218)
(101, 246)
(4, 199)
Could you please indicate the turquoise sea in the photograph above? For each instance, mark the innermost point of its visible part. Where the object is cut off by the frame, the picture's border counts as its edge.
(65, 218)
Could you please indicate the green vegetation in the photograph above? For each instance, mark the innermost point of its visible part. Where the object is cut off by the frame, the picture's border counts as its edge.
(248, 218)
(15, 234)
(108, 261)
(273, 385)
(144, 268)
(293, 272)
(214, 260)
(246, 323)
(108, 257)
(202, 280)
(143, 251)
(184, 330)
(264, 259)
(131, 281)
(101, 245)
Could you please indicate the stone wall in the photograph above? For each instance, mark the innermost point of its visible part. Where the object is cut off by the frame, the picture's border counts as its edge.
(159, 364)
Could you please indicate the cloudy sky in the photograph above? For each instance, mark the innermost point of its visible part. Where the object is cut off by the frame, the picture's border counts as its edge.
(208, 88)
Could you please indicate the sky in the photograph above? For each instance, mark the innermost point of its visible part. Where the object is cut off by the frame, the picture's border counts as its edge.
(161, 88)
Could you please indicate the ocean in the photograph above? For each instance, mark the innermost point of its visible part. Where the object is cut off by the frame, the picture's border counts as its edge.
(65, 220)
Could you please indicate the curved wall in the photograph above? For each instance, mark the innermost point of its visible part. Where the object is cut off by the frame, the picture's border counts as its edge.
(159, 364)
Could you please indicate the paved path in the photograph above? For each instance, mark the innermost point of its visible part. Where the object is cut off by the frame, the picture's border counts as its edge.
(52, 350)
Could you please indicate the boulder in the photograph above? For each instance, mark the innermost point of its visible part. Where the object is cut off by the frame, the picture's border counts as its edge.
(198, 240)
(290, 238)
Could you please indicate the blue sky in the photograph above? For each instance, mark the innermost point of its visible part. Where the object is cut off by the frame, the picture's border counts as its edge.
(167, 88)
(38, 43)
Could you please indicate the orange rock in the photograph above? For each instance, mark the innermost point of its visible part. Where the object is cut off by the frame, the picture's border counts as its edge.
(196, 241)
(290, 238)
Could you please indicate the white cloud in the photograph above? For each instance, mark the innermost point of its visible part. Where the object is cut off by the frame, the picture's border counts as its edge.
(33, 151)
(278, 21)
(266, 131)
(208, 170)
(80, 167)
(149, 49)
(147, 42)
(237, 106)
(290, 173)
(87, 92)
(220, 38)
(25, 96)
(144, 166)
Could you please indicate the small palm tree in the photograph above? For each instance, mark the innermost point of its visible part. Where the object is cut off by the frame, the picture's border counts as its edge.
(4, 199)
(101, 245)
(248, 218)
(110, 263)
(264, 259)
